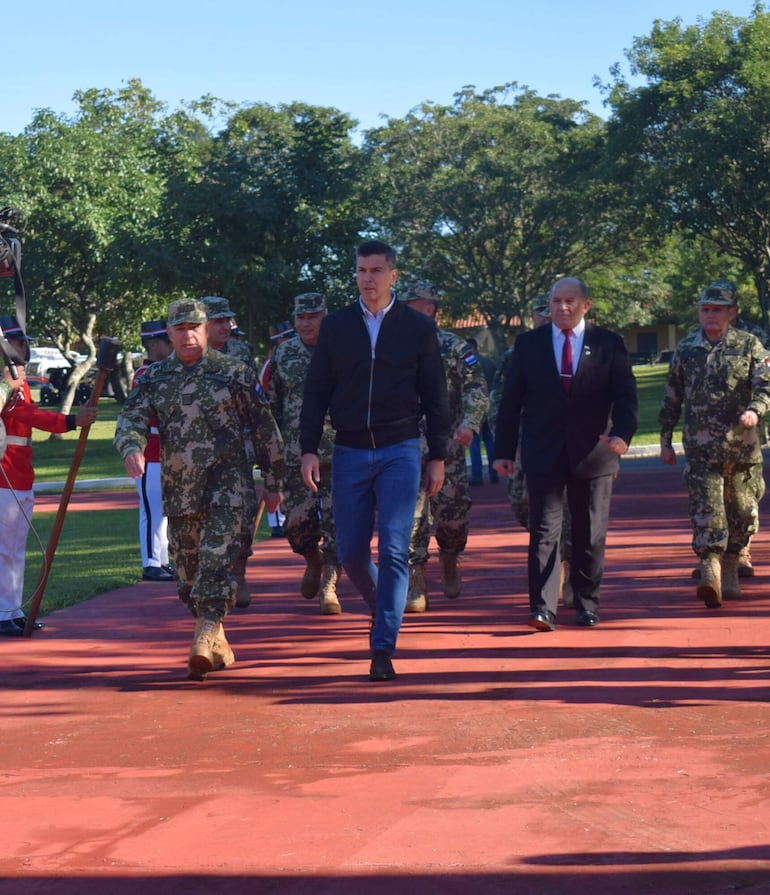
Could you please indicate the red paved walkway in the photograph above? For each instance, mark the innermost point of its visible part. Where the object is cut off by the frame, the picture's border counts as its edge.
(630, 758)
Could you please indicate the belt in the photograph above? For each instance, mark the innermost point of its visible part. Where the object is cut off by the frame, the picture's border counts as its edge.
(19, 440)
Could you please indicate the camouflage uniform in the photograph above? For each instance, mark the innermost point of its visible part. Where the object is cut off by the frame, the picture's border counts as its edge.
(308, 516)
(468, 403)
(723, 469)
(216, 308)
(203, 412)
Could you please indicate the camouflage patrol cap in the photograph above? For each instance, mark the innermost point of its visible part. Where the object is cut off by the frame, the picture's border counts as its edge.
(417, 290)
(217, 307)
(540, 305)
(721, 292)
(186, 310)
(309, 303)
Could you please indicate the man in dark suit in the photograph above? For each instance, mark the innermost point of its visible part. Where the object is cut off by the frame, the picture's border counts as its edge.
(570, 388)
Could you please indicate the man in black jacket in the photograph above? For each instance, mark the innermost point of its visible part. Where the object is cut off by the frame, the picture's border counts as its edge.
(377, 369)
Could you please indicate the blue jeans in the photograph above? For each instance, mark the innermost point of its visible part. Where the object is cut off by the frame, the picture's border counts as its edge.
(382, 481)
(475, 452)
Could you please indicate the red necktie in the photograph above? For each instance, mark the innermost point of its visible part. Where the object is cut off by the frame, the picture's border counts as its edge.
(566, 360)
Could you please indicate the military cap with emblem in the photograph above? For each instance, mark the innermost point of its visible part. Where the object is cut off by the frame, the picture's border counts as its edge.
(540, 305)
(309, 303)
(417, 290)
(186, 310)
(217, 307)
(721, 292)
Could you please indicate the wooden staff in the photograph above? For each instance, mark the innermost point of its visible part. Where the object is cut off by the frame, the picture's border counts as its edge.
(105, 361)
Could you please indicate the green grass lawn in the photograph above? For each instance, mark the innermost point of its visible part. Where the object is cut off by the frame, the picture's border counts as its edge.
(650, 381)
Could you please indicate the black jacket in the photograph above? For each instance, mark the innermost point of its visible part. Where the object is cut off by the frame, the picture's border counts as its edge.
(376, 399)
(560, 427)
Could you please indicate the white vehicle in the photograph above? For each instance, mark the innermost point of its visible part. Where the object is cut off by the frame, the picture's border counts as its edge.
(42, 360)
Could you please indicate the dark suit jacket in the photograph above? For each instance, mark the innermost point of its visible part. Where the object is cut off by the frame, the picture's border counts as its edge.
(558, 426)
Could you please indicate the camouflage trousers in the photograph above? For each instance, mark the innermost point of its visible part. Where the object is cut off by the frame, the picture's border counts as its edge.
(309, 517)
(519, 499)
(723, 505)
(247, 536)
(449, 509)
(205, 548)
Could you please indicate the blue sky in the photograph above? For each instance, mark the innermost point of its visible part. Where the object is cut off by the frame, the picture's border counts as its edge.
(366, 61)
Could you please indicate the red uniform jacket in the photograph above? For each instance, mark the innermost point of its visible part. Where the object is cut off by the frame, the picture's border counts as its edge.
(20, 417)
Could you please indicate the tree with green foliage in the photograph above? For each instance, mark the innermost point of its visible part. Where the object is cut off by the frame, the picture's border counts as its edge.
(270, 212)
(691, 145)
(494, 197)
(89, 183)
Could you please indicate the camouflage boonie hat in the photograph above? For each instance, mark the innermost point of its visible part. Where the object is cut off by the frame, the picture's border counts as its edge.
(540, 305)
(721, 292)
(309, 303)
(217, 307)
(186, 310)
(414, 291)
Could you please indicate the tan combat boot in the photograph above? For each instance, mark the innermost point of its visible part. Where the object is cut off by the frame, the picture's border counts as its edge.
(222, 654)
(710, 587)
(242, 594)
(201, 659)
(329, 603)
(745, 568)
(417, 595)
(451, 580)
(568, 598)
(311, 580)
(731, 586)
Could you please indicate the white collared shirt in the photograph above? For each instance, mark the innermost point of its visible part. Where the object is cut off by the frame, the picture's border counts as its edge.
(578, 335)
(374, 321)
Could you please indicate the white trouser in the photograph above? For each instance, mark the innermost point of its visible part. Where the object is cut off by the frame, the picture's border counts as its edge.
(276, 518)
(13, 546)
(153, 539)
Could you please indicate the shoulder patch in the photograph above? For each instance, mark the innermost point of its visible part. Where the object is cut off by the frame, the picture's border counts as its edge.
(469, 356)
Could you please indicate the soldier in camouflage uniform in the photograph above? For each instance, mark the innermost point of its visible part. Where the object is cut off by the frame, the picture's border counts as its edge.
(220, 332)
(745, 568)
(204, 402)
(309, 522)
(722, 376)
(220, 338)
(450, 508)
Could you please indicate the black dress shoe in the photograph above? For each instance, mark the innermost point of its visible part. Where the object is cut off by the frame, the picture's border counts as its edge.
(542, 620)
(22, 623)
(9, 628)
(157, 573)
(587, 619)
(381, 668)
